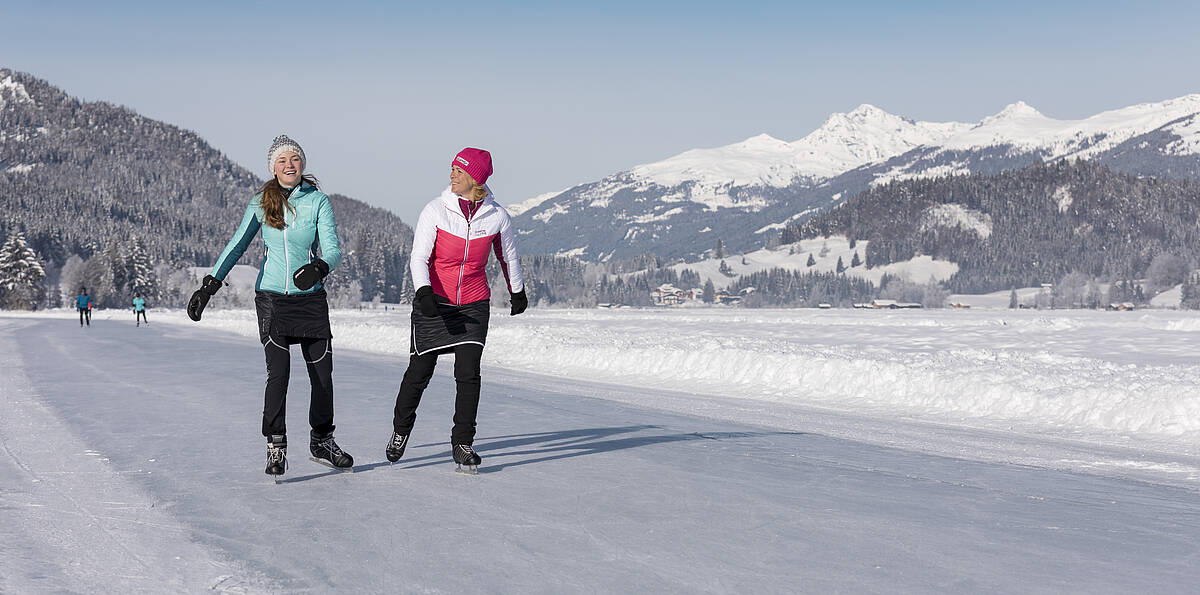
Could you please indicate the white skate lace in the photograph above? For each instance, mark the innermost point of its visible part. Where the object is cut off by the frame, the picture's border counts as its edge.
(398, 441)
(276, 455)
(330, 446)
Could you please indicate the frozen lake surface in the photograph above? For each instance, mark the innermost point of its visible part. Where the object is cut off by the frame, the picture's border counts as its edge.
(624, 451)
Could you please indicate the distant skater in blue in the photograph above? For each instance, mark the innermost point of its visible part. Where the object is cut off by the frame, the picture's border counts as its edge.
(139, 309)
(295, 218)
(83, 302)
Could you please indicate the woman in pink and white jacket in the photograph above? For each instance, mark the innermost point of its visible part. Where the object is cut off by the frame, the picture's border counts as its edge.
(455, 236)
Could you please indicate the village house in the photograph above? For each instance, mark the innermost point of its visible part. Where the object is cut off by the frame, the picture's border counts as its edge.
(667, 295)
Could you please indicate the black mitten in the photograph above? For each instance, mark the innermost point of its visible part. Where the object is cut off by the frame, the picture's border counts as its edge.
(519, 303)
(308, 275)
(199, 299)
(427, 300)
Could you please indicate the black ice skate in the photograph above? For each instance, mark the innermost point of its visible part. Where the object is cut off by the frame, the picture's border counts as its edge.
(395, 448)
(326, 452)
(466, 456)
(276, 456)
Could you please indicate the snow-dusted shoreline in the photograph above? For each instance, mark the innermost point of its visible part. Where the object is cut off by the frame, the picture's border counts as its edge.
(1079, 374)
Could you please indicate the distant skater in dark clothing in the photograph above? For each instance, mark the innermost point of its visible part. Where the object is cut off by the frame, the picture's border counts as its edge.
(83, 302)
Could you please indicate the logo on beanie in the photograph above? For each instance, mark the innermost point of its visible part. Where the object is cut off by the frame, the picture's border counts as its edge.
(462, 161)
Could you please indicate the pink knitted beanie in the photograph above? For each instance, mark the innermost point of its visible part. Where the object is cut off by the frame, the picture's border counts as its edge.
(476, 162)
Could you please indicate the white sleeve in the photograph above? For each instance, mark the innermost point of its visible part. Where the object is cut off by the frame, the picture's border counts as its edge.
(506, 253)
(423, 238)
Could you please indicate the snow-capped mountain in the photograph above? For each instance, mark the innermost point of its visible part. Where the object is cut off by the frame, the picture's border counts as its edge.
(845, 141)
(681, 206)
(1022, 131)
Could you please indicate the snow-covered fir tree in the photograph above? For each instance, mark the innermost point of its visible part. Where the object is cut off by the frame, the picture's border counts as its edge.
(22, 277)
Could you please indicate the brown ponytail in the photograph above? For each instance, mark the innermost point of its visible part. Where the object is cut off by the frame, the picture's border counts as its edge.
(274, 198)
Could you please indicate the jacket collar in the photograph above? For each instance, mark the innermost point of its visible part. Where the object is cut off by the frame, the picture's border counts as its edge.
(301, 190)
(450, 201)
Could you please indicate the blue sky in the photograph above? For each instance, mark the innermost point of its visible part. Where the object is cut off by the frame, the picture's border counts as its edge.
(382, 94)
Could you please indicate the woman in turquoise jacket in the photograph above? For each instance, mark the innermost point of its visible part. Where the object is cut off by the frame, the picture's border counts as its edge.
(295, 218)
(83, 302)
(139, 310)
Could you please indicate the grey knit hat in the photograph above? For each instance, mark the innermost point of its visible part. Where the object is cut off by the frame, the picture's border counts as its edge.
(282, 144)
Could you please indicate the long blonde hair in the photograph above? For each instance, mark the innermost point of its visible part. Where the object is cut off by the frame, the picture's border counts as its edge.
(274, 197)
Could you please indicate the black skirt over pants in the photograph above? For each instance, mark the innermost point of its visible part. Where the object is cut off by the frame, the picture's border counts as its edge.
(285, 320)
(461, 330)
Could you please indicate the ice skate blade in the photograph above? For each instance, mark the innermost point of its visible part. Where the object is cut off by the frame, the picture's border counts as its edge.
(330, 465)
(468, 470)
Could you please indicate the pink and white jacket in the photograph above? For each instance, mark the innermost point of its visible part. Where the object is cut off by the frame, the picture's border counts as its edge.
(450, 252)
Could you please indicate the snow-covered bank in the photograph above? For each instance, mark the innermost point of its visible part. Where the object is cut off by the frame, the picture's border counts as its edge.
(1078, 374)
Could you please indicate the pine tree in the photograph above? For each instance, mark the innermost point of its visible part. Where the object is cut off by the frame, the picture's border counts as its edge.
(710, 292)
(811, 260)
(840, 267)
(1012, 299)
(115, 260)
(97, 276)
(855, 261)
(1190, 300)
(140, 275)
(22, 276)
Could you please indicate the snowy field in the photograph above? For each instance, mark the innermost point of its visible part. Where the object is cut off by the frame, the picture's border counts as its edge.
(688, 450)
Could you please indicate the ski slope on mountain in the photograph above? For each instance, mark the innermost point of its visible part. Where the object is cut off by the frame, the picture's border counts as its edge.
(131, 462)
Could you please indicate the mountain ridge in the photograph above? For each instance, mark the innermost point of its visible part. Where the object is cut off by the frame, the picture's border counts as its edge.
(679, 207)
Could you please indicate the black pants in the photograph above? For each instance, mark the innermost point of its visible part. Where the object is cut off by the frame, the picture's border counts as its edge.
(84, 313)
(318, 358)
(142, 315)
(466, 401)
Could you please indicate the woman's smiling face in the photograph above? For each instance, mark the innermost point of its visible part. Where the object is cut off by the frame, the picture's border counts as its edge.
(288, 169)
(461, 182)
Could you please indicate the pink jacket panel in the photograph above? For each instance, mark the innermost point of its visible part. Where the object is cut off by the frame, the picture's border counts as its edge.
(450, 253)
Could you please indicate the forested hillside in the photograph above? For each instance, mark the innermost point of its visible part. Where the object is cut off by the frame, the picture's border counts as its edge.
(1024, 227)
(82, 178)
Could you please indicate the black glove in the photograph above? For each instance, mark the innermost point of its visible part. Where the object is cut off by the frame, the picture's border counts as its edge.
(308, 275)
(519, 303)
(200, 298)
(427, 301)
